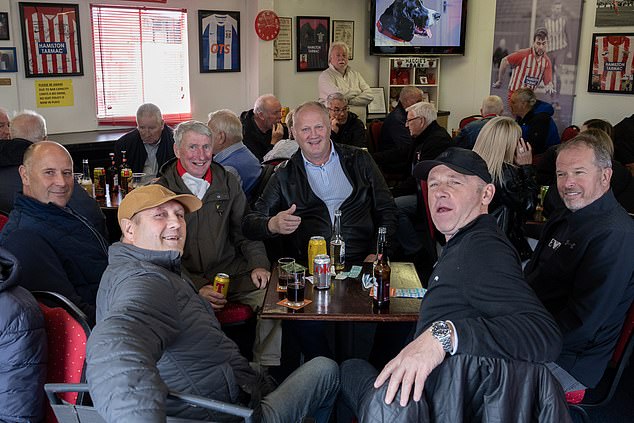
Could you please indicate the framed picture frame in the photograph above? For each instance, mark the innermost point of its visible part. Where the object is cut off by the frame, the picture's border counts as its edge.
(219, 41)
(51, 39)
(377, 105)
(614, 13)
(283, 44)
(8, 61)
(343, 31)
(4, 26)
(612, 64)
(313, 41)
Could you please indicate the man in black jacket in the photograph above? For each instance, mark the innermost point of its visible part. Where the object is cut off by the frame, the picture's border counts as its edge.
(262, 126)
(477, 304)
(346, 127)
(301, 197)
(149, 145)
(582, 268)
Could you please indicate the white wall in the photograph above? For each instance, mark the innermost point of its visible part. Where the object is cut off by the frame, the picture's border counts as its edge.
(464, 79)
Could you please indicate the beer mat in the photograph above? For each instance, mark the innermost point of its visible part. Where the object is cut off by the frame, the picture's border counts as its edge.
(280, 288)
(355, 271)
(341, 276)
(285, 303)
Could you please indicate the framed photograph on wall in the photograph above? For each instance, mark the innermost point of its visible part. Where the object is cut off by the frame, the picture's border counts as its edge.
(4, 26)
(219, 41)
(313, 41)
(377, 105)
(51, 39)
(283, 44)
(8, 61)
(612, 64)
(343, 31)
(614, 13)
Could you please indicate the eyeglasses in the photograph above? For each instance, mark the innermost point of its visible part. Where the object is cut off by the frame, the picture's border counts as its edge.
(414, 118)
(337, 111)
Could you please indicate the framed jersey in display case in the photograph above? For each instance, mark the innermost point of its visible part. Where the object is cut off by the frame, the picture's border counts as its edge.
(313, 41)
(219, 41)
(51, 39)
(612, 64)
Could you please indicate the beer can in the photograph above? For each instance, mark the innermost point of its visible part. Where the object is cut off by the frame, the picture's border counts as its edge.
(126, 175)
(100, 182)
(221, 283)
(321, 271)
(316, 246)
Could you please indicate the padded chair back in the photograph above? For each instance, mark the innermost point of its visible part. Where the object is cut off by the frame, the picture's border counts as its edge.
(425, 197)
(267, 172)
(67, 331)
(467, 120)
(374, 135)
(3, 220)
(625, 338)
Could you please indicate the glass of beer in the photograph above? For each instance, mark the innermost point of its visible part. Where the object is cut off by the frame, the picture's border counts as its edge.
(295, 288)
(285, 266)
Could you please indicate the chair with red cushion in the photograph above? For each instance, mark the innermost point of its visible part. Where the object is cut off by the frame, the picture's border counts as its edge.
(67, 331)
(238, 322)
(3, 220)
(467, 120)
(374, 135)
(603, 393)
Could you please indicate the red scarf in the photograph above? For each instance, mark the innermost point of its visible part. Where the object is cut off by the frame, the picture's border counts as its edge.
(181, 171)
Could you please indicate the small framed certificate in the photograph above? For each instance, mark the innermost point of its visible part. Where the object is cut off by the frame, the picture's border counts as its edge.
(377, 105)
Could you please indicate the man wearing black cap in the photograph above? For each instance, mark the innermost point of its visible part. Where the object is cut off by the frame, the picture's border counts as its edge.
(478, 306)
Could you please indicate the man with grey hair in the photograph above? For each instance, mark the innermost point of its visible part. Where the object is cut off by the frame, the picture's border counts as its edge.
(5, 134)
(230, 151)
(346, 128)
(394, 149)
(582, 269)
(492, 106)
(149, 145)
(536, 119)
(27, 128)
(262, 126)
(339, 77)
(215, 242)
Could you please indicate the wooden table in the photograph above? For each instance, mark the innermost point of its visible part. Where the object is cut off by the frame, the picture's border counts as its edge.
(347, 300)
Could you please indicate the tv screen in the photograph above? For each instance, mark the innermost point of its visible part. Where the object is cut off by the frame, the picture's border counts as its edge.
(425, 27)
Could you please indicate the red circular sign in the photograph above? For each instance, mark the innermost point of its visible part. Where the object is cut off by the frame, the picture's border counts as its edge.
(267, 25)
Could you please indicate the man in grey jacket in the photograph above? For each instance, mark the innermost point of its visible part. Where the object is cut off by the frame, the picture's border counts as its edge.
(154, 332)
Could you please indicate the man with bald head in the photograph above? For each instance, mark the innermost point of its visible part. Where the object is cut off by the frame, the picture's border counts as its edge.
(262, 126)
(27, 128)
(4, 125)
(58, 249)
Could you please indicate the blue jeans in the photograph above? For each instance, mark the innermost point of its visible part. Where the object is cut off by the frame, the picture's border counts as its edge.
(310, 390)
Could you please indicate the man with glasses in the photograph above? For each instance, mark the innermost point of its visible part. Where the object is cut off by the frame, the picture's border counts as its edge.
(346, 126)
(262, 126)
(149, 145)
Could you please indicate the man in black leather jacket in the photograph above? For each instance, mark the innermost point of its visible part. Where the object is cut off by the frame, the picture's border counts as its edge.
(301, 197)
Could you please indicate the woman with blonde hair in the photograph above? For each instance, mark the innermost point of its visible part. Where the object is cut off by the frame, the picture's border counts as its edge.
(509, 159)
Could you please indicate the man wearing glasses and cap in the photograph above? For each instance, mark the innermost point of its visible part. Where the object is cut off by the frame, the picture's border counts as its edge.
(154, 333)
(478, 306)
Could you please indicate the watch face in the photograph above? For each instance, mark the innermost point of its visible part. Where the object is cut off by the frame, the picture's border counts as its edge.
(267, 25)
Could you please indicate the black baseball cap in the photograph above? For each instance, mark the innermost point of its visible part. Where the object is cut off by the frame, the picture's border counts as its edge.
(461, 160)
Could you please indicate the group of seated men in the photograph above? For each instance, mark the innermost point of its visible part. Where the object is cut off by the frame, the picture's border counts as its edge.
(154, 309)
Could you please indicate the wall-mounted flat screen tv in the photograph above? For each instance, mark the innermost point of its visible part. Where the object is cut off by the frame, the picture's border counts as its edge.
(411, 27)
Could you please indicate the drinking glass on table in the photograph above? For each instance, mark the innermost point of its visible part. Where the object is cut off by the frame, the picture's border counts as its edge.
(295, 288)
(285, 265)
(137, 180)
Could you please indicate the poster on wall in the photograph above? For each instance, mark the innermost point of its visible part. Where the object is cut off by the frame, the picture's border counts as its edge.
(614, 13)
(7, 60)
(219, 41)
(312, 43)
(343, 31)
(537, 47)
(4, 26)
(612, 64)
(51, 39)
(283, 44)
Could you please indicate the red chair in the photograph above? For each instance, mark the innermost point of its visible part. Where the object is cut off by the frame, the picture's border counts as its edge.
(612, 375)
(3, 220)
(467, 120)
(67, 331)
(374, 135)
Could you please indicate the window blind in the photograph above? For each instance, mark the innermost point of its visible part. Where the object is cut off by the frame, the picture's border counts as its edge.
(141, 56)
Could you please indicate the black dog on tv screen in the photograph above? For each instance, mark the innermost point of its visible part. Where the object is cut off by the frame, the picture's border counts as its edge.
(405, 18)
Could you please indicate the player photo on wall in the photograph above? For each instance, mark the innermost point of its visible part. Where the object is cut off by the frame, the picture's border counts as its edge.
(219, 40)
(612, 64)
(51, 39)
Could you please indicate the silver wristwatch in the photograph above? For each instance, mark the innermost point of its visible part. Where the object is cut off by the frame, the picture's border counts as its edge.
(441, 331)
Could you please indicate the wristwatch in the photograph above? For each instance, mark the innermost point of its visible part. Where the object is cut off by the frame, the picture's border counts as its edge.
(441, 331)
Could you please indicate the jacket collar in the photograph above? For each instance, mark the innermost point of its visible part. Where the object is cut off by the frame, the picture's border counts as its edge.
(169, 260)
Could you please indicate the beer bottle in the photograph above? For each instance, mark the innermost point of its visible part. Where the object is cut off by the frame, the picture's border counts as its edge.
(337, 245)
(112, 175)
(382, 272)
(86, 180)
(125, 174)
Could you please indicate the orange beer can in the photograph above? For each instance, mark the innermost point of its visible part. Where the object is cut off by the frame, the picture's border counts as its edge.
(221, 283)
(316, 246)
